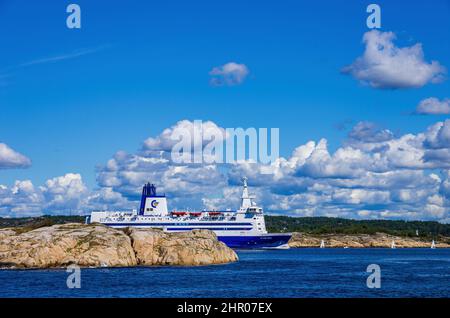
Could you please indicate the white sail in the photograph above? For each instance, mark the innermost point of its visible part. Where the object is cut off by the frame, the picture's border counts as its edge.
(433, 244)
(322, 244)
(393, 244)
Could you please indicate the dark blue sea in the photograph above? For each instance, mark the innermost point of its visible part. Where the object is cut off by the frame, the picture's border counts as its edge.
(259, 273)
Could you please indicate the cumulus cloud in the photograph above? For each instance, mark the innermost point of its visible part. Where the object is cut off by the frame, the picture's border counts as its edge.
(344, 163)
(106, 199)
(433, 106)
(183, 181)
(65, 194)
(386, 66)
(228, 74)
(445, 185)
(438, 135)
(21, 199)
(200, 134)
(10, 158)
(365, 131)
(374, 174)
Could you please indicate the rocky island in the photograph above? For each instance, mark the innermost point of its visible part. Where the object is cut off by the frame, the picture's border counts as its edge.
(59, 241)
(101, 246)
(377, 240)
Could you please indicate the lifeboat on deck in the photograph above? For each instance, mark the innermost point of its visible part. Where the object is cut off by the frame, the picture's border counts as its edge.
(179, 213)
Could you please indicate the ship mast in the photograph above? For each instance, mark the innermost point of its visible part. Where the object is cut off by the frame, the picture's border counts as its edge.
(246, 199)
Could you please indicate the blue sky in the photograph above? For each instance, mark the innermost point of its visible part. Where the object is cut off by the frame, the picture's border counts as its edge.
(70, 99)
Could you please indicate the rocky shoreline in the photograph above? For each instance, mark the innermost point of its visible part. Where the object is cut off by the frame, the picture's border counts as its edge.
(97, 245)
(378, 240)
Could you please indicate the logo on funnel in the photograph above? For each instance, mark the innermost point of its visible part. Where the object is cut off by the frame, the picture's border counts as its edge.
(154, 203)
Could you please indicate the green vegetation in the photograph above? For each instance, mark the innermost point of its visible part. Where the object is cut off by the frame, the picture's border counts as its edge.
(31, 223)
(311, 225)
(325, 225)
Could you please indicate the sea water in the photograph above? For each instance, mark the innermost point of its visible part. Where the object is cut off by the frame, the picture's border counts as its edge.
(306, 272)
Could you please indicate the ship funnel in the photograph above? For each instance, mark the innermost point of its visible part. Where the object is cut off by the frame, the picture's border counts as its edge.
(149, 190)
(151, 203)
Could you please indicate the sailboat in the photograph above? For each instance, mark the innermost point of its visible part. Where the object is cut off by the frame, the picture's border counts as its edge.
(322, 244)
(393, 244)
(433, 244)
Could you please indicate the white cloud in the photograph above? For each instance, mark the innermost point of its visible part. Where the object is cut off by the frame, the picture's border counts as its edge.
(106, 199)
(127, 174)
(184, 182)
(200, 133)
(365, 131)
(22, 199)
(228, 74)
(386, 66)
(61, 195)
(434, 106)
(10, 158)
(360, 196)
(385, 177)
(373, 175)
(64, 192)
(438, 135)
(346, 162)
(445, 185)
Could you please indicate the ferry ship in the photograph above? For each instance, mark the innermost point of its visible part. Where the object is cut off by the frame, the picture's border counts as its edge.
(243, 228)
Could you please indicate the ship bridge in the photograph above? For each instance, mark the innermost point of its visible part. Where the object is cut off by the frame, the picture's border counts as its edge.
(247, 203)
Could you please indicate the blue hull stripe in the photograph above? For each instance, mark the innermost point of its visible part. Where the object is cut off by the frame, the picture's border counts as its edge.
(255, 241)
(239, 242)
